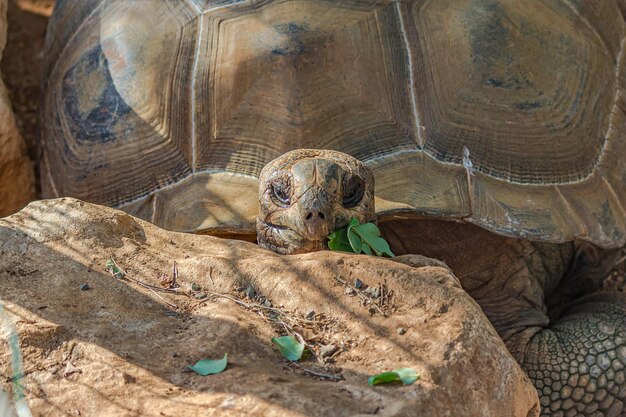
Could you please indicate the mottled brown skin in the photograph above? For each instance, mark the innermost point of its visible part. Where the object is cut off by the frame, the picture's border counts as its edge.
(542, 298)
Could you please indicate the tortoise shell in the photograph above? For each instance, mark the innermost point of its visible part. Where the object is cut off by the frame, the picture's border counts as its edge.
(506, 114)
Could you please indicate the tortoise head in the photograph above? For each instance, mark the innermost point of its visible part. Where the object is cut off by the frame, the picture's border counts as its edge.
(304, 195)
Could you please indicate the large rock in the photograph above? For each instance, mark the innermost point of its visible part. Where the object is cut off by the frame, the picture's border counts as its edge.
(131, 344)
(16, 171)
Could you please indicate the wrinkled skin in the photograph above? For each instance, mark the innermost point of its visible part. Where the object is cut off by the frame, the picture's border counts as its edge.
(305, 195)
(544, 299)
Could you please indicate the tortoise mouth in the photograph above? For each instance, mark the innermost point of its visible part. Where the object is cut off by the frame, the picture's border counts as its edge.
(285, 240)
(323, 241)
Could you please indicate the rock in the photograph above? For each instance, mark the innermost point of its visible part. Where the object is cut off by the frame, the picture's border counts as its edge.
(401, 331)
(122, 331)
(16, 171)
(70, 369)
(250, 292)
(328, 350)
(373, 292)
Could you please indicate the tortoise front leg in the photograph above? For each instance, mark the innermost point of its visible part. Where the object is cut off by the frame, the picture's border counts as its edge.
(576, 356)
(574, 352)
(577, 362)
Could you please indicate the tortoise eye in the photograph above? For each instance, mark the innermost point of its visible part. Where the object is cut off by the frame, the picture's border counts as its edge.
(353, 191)
(281, 193)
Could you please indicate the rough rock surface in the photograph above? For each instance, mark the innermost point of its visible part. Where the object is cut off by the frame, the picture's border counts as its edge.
(16, 171)
(120, 349)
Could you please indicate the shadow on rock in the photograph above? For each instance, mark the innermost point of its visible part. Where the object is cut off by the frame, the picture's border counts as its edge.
(128, 347)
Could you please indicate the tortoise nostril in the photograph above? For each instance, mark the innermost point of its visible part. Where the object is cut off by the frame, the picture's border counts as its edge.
(310, 216)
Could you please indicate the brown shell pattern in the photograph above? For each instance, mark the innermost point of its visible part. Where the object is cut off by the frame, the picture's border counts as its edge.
(504, 113)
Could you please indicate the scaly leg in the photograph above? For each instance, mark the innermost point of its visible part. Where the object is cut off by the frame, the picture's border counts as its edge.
(574, 353)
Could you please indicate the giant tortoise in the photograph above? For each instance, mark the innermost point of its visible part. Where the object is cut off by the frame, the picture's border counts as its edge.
(495, 130)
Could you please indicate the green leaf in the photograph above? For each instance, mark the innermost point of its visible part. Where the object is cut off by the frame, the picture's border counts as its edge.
(405, 375)
(206, 367)
(115, 270)
(338, 240)
(353, 222)
(357, 238)
(289, 347)
(384, 378)
(370, 234)
(355, 241)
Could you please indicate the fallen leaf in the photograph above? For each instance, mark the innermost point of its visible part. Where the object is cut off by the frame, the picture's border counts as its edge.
(206, 367)
(405, 375)
(115, 270)
(289, 347)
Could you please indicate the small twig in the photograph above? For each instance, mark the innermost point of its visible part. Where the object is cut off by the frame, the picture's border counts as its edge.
(156, 293)
(619, 262)
(148, 286)
(240, 302)
(145, 284)
(18, 376)
(334, 377)
(152, 287)
(211, 275)
(342, 281)
(389, 296)
(212, 295)
(174, 283)
(288, 328)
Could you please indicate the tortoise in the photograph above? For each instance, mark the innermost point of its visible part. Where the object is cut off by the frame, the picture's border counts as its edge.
(495, 130)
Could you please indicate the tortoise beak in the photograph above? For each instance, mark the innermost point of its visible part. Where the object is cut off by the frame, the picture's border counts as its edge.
(317, 214)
